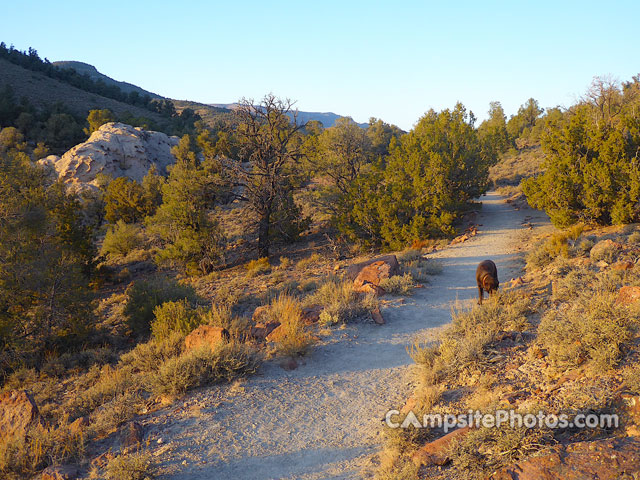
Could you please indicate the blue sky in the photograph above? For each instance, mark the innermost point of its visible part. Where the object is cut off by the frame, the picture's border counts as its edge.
(357, 58)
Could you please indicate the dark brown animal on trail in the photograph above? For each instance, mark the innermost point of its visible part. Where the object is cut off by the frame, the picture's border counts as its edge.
(487, 278)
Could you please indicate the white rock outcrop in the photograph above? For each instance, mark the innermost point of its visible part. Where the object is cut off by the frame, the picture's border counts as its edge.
(117, 150)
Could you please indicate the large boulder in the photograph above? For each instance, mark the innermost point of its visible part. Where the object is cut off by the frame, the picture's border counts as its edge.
(391, 262)
(18, 411)
(117, 150)
(607, 459)
(367, 276)
(260, 331)
(206, 335)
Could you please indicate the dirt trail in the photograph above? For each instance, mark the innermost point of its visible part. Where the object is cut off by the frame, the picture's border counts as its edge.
(323, 420)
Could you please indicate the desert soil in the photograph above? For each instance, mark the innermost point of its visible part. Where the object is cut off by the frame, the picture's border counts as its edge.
(324, 419)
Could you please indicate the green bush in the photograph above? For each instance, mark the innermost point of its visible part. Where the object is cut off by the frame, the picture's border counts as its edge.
(428, 180)
(145, 295)
(588, 173)
(121, 239)
(174, 317)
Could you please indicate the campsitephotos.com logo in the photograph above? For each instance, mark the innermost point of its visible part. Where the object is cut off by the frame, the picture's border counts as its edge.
(500, 418)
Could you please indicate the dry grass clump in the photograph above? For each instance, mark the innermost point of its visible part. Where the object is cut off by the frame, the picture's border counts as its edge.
(484, 450)
(203, 366)
(399, 284)
(341, 302)
(131, 466)
(110, 415)
(258, 267)
(285, 262)
(631, 377)
(604, 251)
(21, 456)
(291, 337)
(420, 268)
(309, 261)
(221, 315)
(560, 244)
(110, 382)
(395, 458)
(464, 342)
(584, 246)
(634, 238)
(593, 328)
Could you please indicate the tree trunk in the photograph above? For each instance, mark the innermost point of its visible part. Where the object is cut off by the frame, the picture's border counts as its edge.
(263, 234)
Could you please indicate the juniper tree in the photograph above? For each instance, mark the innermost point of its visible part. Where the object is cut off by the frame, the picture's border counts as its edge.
(270, 149)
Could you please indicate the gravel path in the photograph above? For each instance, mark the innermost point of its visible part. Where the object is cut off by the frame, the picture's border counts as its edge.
(323, 420)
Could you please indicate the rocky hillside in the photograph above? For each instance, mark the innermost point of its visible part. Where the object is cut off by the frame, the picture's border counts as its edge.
(44, 91)
(117, 150)
(94, 74)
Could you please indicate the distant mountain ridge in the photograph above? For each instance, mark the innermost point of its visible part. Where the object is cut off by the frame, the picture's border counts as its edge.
(328, 119)
(93, 73)
(209, 112)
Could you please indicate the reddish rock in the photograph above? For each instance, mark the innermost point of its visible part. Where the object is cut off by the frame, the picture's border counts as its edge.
(78, 425)
(260, 314)
(18, 411)
(102, 460)
(275, 335)
(608, 459)
(131, 434)
(311, 314)
(374, 273)
(460, 239)
(206, 335)
(628, 295)
(409, 405)
(393, 266)
(66, 472)
(435, 453)
(622, 265)
(260, 331)
(370, 288)
(377, 317)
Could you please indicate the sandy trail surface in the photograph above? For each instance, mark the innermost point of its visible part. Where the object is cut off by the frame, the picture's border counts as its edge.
(324, 419)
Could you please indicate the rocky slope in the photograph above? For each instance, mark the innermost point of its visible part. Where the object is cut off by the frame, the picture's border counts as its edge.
(117, 150)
